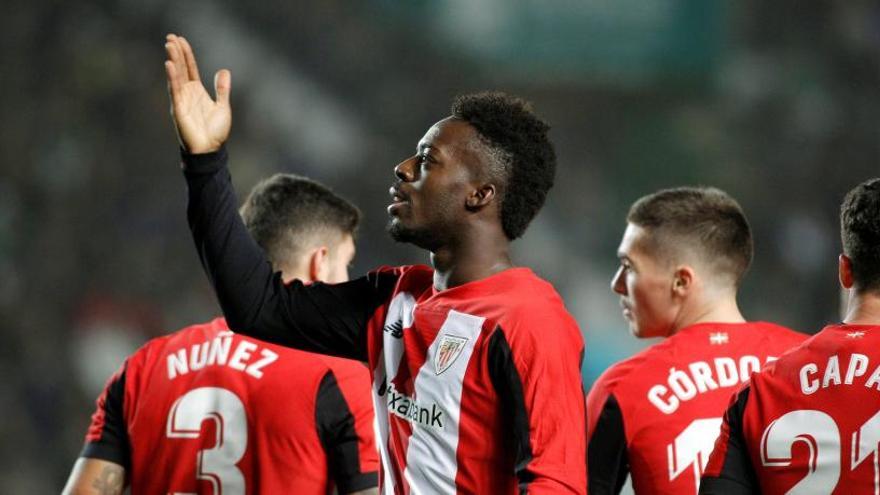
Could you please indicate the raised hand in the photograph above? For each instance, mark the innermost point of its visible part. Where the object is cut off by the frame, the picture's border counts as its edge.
(202, 123)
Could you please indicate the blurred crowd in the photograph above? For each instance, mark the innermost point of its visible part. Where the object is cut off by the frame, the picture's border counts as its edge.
(775, 102)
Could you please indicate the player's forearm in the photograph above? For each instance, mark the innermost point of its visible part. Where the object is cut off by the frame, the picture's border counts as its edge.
(236, 266)
(95, 477)
(318, 318)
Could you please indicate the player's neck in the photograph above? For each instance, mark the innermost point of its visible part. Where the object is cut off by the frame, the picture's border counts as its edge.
(863, 309)
(470, 258)
(721, 310)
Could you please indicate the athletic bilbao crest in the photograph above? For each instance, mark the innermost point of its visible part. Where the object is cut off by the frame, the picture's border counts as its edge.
(447, 352)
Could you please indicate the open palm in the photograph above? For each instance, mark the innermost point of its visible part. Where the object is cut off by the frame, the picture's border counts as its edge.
(202, 123)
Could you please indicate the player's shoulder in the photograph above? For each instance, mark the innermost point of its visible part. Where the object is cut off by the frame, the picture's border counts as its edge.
(353, 380)
(831, 339)
(807, 348)
(777, 332)
(620, 372)
(344, 368)
(217, 332)
(528, 298)
(198, 332)
(532, 316)
(404, 271)
(415, 279)
(181, 337)
(614, 374)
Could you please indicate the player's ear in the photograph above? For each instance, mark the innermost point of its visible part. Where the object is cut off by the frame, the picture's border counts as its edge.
(844, 271)
(319, 264)
(481, 196)
(683, 280)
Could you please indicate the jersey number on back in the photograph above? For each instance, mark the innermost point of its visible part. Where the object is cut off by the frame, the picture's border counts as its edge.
(819, 433)
(691, 448)
(215, 465)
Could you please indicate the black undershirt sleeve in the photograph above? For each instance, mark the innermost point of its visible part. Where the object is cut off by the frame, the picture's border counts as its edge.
(339, 437)
(112, 445)
(508, 385)
(607, 456)
(328, 319)
(737, 475)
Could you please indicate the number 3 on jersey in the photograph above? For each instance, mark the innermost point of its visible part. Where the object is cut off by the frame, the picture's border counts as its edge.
(216, 465)
(819, 433)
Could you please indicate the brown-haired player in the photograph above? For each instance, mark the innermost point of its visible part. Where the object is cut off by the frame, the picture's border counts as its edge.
(656, 415)
(206, 410)
(810, 422)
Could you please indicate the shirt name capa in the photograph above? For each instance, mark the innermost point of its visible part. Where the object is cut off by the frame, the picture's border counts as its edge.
(407, 408)
(813, 377)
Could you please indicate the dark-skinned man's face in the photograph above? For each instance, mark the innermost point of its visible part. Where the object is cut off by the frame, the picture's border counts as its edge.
(429, 197)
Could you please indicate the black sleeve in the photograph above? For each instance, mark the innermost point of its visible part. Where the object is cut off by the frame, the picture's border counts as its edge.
(508, 385)
(108, 436)
(339, 437)
(607, 456)
(737, 476)
(322, 318)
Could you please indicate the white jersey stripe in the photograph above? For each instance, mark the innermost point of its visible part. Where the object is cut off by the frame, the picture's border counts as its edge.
(400, 315)
(431, 464)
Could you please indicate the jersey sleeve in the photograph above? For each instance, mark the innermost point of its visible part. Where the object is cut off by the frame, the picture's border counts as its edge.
(107, 436)
(729, 470)
(329, 319)
(536, 375)
(607, 457)
(349, 447)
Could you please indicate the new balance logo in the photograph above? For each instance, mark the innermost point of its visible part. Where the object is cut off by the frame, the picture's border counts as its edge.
(395, 329)
(406, 407)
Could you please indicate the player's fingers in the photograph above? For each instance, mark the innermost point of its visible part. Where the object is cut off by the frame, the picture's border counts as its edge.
(191, 68)
(173, 81)
(223, 86)
(172, 48)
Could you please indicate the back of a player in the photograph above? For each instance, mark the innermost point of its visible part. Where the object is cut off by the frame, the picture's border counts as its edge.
(666, 403)
(209, 411)
(811, 422)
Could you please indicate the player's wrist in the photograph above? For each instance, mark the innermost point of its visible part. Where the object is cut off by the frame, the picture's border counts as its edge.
(203, 162)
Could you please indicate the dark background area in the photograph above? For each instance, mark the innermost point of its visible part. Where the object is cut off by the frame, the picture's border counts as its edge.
(775, 102)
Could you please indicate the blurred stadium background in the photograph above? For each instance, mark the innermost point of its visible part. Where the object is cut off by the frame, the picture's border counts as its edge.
(776, 102)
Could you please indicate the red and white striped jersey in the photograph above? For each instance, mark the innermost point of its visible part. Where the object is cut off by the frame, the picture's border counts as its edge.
(477, 388)
(480, 384)
(207, 411)
(656, 415)
(808, 423)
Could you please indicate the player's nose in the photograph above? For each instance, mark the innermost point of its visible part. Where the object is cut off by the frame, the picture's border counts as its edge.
(405, 170)
(617, 285)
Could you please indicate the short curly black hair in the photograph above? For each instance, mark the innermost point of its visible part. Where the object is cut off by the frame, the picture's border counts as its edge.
(518, 140)
(860, 233)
